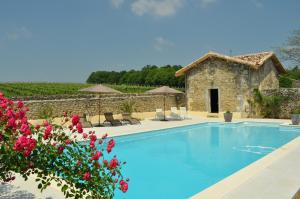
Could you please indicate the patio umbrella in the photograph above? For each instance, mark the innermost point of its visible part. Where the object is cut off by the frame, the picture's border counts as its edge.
(164, 90)
(99, 89)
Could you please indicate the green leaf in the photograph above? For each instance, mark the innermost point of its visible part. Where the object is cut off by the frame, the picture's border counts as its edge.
(64, 188)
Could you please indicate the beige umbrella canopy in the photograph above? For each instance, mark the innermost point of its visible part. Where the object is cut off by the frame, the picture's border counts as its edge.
(164, 90)
(100, 89)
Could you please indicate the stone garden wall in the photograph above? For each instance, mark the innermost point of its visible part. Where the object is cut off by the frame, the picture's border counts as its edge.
(90, 104)
(291, 100)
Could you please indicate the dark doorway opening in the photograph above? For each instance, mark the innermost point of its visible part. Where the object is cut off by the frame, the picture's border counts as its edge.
(214, 100)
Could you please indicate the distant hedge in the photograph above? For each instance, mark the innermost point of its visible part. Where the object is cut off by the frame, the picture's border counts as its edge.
(149, 75)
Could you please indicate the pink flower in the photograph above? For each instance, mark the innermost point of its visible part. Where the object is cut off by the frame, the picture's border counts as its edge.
(113, 163)
(105, 162)
(93, 137)
(111, 143)
(123, 186)
(97, 155)
(24, 128)
(21, 114)
(68, 141)
(10, 113)
(26, 153)
(92, 144)
(37, 127)
(87, 176)
(85, 135)
(60, 149)
(46, 123)
(20, 104)
(47, 132)
(27, 145)
(79, 128)
(11, 123)
(104, 136)
(108, 149)
(75, 119)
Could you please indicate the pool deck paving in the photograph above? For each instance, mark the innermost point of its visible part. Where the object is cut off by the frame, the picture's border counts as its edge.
(276, 175)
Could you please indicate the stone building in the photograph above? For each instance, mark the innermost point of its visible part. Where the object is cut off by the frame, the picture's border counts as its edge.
(218, 83)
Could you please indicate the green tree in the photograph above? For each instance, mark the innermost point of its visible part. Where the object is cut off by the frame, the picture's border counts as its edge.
(291, 49)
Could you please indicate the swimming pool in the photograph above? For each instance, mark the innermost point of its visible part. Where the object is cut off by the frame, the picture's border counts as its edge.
(179, 162)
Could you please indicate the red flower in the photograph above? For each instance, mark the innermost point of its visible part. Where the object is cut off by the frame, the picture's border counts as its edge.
(60, 149)
(10, 113)
(47, 132)
(79, 127)
(123, 186)
(97, 155)
(111, 143)
(105, 162)
(68, 141)
(93, 137)
(104, 136)
(11, 123)
(46, 123)
(113, 163)
(27, 145)
(92, 144)
(108, 149)
(78, 163)
(75, 119)
(20, 104)
(37, 127)
(85, 135)
(87, 176)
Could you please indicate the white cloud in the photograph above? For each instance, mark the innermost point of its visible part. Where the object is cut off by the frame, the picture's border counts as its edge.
(19, 33)
(160, 8)
(117, 3)
(161, 44)
(258, 3)
(205, 3)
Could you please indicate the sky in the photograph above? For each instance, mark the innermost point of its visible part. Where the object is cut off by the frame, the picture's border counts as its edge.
(66, 40)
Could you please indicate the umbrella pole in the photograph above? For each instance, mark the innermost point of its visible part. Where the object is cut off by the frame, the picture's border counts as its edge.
(99, 110)
(164, 107)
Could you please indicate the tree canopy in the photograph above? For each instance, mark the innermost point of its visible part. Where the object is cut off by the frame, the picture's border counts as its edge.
(291, 49)
(150, 75)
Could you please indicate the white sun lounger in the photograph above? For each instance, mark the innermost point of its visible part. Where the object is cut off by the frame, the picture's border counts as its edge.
(184, 114)
(174, 114)
(159, 115)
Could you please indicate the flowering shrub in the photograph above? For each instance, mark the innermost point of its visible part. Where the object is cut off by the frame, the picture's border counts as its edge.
(52, 154)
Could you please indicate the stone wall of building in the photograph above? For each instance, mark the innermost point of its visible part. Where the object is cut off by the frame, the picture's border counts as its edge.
(234, 82)
(109, 103)
(291, 100)
(229, 78)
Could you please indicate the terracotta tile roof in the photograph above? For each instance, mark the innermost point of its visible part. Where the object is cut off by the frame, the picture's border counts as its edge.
(252, 60)
(255, 59)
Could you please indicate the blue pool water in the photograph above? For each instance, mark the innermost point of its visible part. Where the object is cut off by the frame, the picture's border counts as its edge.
(180, 162)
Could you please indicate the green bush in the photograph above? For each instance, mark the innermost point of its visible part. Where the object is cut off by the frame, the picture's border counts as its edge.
(269, 106)
(128, 107)
(285, 82)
